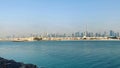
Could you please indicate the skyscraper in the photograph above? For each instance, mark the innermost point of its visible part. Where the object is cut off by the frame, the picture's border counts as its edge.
(111, 33)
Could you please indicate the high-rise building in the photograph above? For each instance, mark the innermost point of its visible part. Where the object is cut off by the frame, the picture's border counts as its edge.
(117, 34)
(111, 33)
(77, 34)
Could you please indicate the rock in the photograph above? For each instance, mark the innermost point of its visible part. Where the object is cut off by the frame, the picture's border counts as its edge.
(4, 63)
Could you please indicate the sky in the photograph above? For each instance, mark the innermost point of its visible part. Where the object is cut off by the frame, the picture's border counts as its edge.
(58, 16)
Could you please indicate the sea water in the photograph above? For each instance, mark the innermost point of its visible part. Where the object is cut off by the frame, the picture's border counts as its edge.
(64, 54)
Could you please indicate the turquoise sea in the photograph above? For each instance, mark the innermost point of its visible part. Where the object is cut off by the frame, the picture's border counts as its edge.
(64, 54)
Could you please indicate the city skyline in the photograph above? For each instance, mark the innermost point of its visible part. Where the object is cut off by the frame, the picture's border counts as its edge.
(109, 33)
(61, 16)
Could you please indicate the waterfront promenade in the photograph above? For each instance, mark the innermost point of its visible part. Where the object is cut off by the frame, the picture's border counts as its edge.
(59, 38)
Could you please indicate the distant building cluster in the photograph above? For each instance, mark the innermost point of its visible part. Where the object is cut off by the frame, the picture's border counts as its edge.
(111, 33)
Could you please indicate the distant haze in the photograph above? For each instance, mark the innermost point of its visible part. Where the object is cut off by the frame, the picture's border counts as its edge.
(58, 16)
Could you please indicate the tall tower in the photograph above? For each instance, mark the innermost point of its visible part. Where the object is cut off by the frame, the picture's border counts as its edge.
(85, 33)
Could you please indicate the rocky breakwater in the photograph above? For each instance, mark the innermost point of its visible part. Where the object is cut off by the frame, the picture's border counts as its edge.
(4, 63)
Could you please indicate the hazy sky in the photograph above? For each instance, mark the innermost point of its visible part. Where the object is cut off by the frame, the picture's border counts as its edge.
(57, 16)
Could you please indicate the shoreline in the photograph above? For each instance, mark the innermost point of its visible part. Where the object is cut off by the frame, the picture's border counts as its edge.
(57, 40)
(29, 39)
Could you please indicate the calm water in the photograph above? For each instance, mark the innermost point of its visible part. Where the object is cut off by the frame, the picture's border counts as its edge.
(64, 54)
